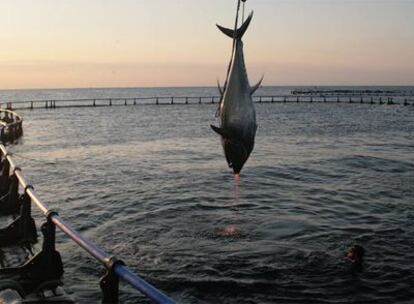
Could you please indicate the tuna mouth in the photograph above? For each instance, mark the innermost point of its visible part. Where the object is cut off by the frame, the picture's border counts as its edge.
(236, 155)
(236, 170)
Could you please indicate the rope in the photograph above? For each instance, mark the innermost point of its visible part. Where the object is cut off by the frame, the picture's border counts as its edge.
(244, 2)
(232, 55)
(33, 159)
(54, 162)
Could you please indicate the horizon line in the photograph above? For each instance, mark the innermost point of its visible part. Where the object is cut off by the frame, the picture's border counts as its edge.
(207, 86)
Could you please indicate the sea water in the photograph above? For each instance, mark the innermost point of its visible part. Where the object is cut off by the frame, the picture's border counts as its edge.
(150, 185)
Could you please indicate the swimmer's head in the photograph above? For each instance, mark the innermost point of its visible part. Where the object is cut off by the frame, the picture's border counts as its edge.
(356, 254)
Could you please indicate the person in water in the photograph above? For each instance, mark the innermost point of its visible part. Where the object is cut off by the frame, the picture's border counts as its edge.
(356, 255)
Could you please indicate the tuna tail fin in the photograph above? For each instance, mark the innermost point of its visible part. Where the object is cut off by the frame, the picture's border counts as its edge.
(240, 32)
(255, 87)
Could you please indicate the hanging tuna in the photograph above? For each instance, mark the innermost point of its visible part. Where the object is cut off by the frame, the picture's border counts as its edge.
(236, 111)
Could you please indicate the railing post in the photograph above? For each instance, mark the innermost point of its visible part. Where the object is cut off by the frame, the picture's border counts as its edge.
(273, 99)
(109, 283)
(10, 205)
(28, 227)
(172, 100)
(186, 100)
(135, 101)
(212, 100)
(297, 99)
(5, 175)
(94, 103)
(45, 266)
(31, 105)
(11, 133)
(156, 101)
(126, 102)
(199, 100)
(110, 102)
(23, 229)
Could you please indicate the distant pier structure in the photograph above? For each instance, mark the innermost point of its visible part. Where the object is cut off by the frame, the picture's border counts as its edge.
(298, 96)
(349, 92)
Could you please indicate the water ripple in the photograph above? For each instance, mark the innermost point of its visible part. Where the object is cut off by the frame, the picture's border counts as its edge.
(153, 188)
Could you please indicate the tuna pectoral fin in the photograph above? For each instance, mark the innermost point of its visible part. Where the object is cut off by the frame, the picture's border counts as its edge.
(255, 87)
(240, 32)
(223, 132)
(221, 90)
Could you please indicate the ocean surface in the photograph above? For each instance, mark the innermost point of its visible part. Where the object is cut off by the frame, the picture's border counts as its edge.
(150, 184)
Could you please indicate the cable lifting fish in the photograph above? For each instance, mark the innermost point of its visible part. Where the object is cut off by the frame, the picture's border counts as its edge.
(236, 111)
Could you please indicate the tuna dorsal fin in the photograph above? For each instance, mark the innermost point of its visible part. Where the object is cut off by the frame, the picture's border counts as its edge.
(223, 132)
(256, 86)
(221, 90)
(240, 32)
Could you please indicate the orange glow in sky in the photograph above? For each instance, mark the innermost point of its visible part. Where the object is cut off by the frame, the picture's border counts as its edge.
(139, 43)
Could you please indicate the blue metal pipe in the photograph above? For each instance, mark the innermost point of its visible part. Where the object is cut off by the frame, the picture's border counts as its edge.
(147, 289)
(122, 271)
(91, 248)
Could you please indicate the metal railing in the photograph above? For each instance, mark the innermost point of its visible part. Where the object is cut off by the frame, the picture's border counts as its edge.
(171, 100)
(115, 267)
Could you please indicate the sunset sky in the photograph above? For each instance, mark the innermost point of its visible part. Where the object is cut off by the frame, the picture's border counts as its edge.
(140, 43)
